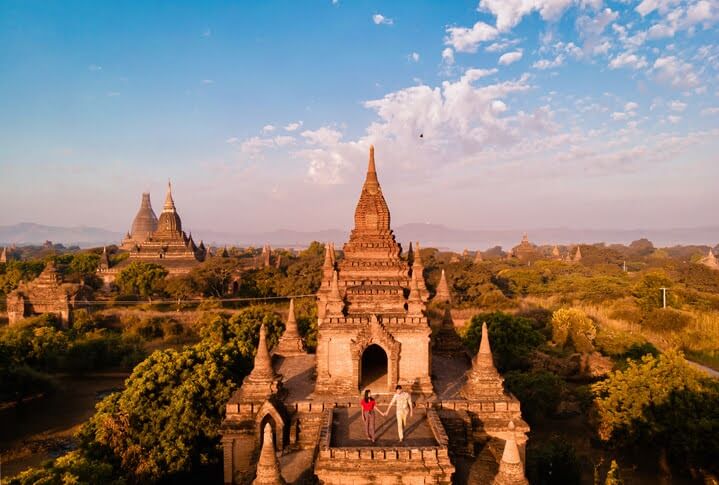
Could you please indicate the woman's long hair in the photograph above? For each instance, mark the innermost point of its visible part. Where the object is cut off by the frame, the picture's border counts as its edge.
(367, 397)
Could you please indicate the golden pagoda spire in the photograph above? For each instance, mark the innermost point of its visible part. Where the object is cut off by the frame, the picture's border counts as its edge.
(169, 203)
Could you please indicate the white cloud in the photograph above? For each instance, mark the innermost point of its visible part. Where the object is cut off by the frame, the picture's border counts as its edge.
(465, 39)
(414, 57)
(674, 119)
(510, 57)
(268, 128)
(677, 105)
(208, 81)
(619, 116)
(380, 19)
(293, 126)
(448, 56)
(207, 33)
(499, 106)
(113, 94)
(676, 72)
(255, 145)
(631, 106)
(510, 12)
(324, 136)
(547, 64)
(713, 110)
(501, 46)
(591, 28)
(94, 68)
(232, 140)
(628, 59)
(282, 140)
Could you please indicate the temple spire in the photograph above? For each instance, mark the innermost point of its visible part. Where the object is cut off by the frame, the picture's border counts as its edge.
(511, 469)
(483, 378)
(291, 342)
(578, 255)
(263, 362)
(268, 468)
(442, 294)
(478, 257)
(3, 256)
(371, 169)
(104, 259)
(169, 202)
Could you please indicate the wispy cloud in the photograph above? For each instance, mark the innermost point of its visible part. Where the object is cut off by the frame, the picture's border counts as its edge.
(380, 19)
(414, 57)
(94, 68)
(293, 126)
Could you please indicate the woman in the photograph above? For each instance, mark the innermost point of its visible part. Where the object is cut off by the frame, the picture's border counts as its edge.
(368, 404)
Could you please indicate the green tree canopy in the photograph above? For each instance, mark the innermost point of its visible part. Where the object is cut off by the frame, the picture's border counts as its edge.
(513, 338)
(142, 279)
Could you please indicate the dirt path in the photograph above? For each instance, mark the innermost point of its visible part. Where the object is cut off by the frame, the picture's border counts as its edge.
(43, 428)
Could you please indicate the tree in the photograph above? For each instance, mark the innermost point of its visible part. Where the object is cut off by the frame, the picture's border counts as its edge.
(540, 392)
(214, 276)
(166, 421)
(180, 287)
(73, 468)
(661, 402)
(142, 279)
(512, 338)
(16, 271)
(648, 291)
(573, 324)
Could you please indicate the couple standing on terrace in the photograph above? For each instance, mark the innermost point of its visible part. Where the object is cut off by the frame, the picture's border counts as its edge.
(403, 403)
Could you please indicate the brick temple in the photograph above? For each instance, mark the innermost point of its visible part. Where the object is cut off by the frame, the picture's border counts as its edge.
(296, 418)
(161, 241)
(48, 293)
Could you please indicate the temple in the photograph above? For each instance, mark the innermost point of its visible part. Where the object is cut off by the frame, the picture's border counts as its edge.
(710, 261)
(296, 417)
(363, 318)
(525, 251)
(161, 241)
(45, 294)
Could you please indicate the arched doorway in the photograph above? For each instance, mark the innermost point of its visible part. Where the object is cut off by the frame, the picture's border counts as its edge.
(373, 365)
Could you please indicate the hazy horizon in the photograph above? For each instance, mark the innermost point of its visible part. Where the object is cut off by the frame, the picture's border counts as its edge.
(484, 115)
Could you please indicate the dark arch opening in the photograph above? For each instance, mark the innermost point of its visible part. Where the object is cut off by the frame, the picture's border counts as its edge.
(265, 420)
(374, 369)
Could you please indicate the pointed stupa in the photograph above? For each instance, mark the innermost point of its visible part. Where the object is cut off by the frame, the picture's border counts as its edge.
(478, 257)
(169, 202)
(710, 261)
(335, 305)
(3, 256)
(262, 382)
(268, 468)
(577, 255)
(483, 379)
(225, 253)
(372, 213)
(442, 294)
(169, 226)
(291, 342)
(415, 305)
(511, 469)
(555, 252)
(104, 259)
(410, 254)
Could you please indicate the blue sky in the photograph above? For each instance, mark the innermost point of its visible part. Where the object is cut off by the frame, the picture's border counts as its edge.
(534, 113)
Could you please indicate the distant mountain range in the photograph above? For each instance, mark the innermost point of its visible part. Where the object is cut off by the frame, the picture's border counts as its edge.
(429, 235)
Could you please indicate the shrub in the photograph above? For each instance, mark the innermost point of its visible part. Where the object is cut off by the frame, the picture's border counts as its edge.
(552, 462)
(574, 324)
(540, 392)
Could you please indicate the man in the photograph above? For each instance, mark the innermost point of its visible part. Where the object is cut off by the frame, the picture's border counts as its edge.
(403, 401)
